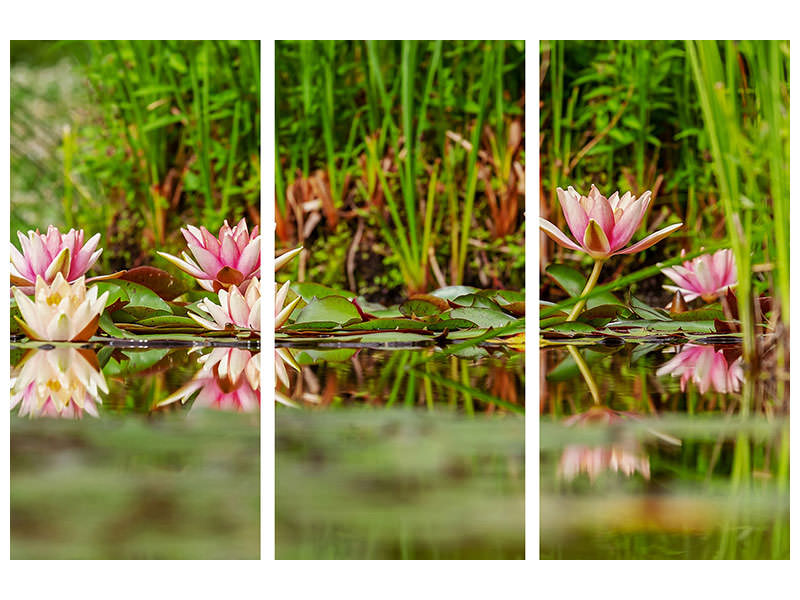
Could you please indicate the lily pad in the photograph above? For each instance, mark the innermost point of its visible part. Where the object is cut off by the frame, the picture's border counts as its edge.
(330, 308)
(420, 308)
(308, 291)
(482, 317)
(159, 281)
(454, 291)
(387, 324)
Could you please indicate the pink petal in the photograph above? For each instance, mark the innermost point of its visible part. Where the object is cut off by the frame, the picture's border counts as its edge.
(650, 239)
(39, 258)
(229, 253)
(210, 243)
(598, 208)
(627, 224)
(557, 236)
(250, 258)
(192, 235)
(573, 213)
(20, 264)
(207, 261)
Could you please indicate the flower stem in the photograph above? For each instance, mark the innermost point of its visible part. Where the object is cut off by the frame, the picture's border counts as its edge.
(587, 374)
(576, 310)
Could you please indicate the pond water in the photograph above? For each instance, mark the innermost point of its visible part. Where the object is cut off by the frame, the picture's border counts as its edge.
(387, 454)
(126, 453)
(661, 452)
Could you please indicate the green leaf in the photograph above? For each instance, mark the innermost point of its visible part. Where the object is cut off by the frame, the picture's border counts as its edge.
(107, 325)
(568, 279)
(454, 291)
(451, 324)
(647, 312)
(330, 308)
(308, 291)
(162, 320)
(163, 284)
(419, 308)
(476, 301)
(482, 317)
(140, 301)
(388, 324)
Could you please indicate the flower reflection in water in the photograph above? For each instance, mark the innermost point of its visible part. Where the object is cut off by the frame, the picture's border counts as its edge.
(229, 379)
(60, 383)
(707, 368)
(626, 457)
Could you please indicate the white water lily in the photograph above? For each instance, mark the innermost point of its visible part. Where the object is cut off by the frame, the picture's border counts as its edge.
(234, 309)
(282, 312)
(61, 311)
(61, 382)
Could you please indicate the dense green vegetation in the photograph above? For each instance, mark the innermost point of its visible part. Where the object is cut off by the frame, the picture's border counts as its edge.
(400, 165)
(704, 125)
(133, 139)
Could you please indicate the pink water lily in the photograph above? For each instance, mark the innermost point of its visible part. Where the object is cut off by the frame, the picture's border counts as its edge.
(230, 259)
(234, 309)
(47, 254)
(708, 276)
(229, 379)
(707, 368)
(603, 226)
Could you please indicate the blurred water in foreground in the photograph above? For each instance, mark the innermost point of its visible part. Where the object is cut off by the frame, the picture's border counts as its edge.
(404, 454)
(102, 468)
(680, 455)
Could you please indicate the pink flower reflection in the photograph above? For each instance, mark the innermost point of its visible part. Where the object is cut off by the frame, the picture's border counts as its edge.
(707, 368)
(58, 383)
(229, 379)
(594, 461)
(627, 458)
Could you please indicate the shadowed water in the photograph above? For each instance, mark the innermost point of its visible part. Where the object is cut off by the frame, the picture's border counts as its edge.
(639, 468)
(153, 455)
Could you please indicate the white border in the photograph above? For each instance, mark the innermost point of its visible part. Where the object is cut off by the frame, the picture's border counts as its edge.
(467, 19)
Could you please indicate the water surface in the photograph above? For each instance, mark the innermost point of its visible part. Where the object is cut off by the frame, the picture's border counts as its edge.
(155, 456)
(390, 454)
(650, 470)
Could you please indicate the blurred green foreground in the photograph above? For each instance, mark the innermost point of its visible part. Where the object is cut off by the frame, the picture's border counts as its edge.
(398, 484)
(136, 488)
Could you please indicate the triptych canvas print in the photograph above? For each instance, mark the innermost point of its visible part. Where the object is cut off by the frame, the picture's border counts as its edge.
(395, 361)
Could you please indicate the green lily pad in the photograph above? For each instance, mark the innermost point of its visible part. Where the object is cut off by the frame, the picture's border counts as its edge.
(453, 291)
(451, 324)
(482, 317)
(646, 311)
(330, 308)
(315, 326)
(168, 320)
(308, 291)
(419, 308)
(394, 337)
(476, 301)
(387, 324)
